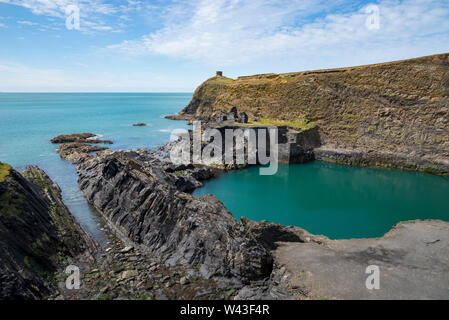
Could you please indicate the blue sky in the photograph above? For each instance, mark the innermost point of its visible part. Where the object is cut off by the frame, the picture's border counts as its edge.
(145, 46)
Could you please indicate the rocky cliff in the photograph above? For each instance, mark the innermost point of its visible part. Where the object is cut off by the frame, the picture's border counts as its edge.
(393, 114)
(141, 195)
(38, 235)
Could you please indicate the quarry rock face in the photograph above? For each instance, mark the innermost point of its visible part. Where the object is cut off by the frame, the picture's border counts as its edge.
(393, 114)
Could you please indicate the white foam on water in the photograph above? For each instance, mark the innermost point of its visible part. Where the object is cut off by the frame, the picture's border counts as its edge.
(96, 137)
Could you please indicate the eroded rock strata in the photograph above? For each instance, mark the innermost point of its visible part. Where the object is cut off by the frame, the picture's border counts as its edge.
(146, 205)
(38, 235)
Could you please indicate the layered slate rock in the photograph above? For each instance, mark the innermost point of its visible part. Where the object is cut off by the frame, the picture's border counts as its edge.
(139, 199)
(77, 152)
(38, 235)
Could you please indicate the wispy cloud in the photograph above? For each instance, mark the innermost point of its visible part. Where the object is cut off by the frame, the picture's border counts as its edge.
(92, 11)
(232, 31)
(28, 23)
(56, 8)
(21, 76)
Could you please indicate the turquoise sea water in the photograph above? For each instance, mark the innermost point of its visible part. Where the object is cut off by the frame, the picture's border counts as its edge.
(334, 200)
(28, 121)
(337, 201)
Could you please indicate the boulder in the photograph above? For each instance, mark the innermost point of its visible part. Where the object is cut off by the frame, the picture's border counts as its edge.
(243, 118)
(233, 114)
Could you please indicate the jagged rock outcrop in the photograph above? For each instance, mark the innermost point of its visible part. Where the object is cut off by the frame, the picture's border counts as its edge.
(393, 114)
(142, 201)
(268, 233)
(79, 137)
(38, 235)
(77, 152)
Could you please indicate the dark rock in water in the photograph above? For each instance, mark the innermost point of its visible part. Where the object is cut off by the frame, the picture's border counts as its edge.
(243, 118)
(65, 138)
(143, 204)
(79, 137)
(140, 125)
(37, 233)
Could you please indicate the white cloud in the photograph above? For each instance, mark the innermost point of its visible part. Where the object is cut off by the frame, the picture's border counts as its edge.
(56, 8)
(231, 31)
(28, 23)
(91, 11)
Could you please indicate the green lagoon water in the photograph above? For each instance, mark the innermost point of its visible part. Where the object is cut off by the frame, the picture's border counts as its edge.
(335, 200)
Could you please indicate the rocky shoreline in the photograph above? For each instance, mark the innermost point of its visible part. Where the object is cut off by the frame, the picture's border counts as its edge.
(166, 244)
(158, 267)
(141, 195)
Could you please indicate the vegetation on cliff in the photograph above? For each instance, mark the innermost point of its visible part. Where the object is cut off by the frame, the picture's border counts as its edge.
(4, 171)
(399, 108)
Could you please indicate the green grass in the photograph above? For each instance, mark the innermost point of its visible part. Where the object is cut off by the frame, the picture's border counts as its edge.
(4, 171)
(179, 173)
(302, 124)
(27, 262)
(102, 296)
(225, 79)
(144, 296)
(230, 292)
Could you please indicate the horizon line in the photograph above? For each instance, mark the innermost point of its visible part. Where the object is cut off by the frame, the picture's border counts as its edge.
(2, 92)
